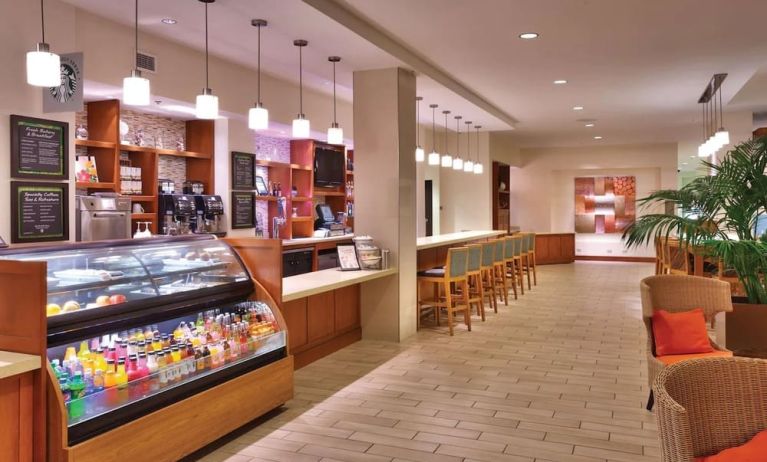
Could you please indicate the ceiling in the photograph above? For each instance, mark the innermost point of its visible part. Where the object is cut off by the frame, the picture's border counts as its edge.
(232, 37)
(636, 66)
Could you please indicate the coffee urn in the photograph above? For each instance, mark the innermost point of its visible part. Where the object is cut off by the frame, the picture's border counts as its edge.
(177, 213)
(210, 215)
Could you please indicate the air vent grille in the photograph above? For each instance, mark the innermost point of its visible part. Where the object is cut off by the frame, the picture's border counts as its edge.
(146, 62)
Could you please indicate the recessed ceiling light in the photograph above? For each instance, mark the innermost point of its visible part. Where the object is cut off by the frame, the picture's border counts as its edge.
(560, 82)
(528, 35)
(169, 21)
(589, 125)
(577, 108)
(597, 137)
(693, 157)
(684, 163)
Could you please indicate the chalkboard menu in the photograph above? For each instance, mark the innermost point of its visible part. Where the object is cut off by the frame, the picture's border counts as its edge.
(39, 148)
(243, 171)
(39, 212)
(243, 208)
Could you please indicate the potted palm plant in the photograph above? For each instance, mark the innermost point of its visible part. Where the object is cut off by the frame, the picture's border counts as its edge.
(719, 217)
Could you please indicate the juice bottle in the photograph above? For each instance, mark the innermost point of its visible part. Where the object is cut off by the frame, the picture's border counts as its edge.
(168, 356)
(148, 335)
(175, 354)
(200, 324)
(100, 361)
(156, 343)
(208, 361)
(84, 352)
(189, 350)
(121, 377)
(161, 362)
(178, 332)
(112, 353)
(64, 385)
(151, 362)
(109, 375)
(70, 354)
(132, 348)
(165, 341)
(77, 386)
(132, 369)
(199, 360)
(140, 337)
(227, 351)
(98, 381)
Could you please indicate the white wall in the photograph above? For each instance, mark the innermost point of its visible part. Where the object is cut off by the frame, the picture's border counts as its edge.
(542, 187)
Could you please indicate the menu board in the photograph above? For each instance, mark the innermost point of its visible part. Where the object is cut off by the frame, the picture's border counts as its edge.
(39, 148)
(243, 208)
(39, 212)
(243, 171)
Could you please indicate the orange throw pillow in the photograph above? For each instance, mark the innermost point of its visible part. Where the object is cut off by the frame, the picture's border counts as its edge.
(680, 333)
(754, 450)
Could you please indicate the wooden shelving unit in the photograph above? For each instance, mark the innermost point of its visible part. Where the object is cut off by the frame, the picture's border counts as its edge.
(105, 146)
(350, 178)
(501, 196)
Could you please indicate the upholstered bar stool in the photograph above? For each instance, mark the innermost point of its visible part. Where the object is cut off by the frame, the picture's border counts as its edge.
(509, 265)
(499, 273)
(474, 280)
(526, 257)
(488, 274)
(531, 256)
(452, 281)
(518, 272)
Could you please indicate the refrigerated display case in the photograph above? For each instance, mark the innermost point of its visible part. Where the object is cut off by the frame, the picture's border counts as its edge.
(142, 335)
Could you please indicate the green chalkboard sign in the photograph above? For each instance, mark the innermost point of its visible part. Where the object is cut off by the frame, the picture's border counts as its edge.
(243, 210)
(243, 171)
(39, 212)
(39, 148)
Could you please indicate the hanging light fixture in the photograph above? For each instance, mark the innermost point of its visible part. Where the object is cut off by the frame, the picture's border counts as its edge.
(335, 133)
(301, 128)
(714, 135)
(419, 153)
(258, 116)
(207, 102)
(722, 136)
(478, 168)
(136, 88)
(43, 67)
(457, 161)
(468, 166)
(434, 155)
(447, 159)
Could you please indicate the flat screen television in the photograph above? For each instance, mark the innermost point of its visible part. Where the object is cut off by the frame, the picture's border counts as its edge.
(329, 167)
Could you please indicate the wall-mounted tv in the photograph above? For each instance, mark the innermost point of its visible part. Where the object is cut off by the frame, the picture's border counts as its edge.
(329, 167)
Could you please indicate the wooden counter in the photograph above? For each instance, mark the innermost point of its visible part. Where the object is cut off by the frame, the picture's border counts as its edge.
(554, 248)
(432, 250)
(317, 282)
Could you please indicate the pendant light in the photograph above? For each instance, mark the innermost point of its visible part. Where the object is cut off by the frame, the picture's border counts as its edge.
(434, 155)
(43, 67)
(722, 136)
(335, 133)
(478, 168)
(468, 166)
(207, 102)
(457, 161)
(447, 159)
(301, 128)
(702, 146)
(419, 153)
(136, 88)
(258, 116)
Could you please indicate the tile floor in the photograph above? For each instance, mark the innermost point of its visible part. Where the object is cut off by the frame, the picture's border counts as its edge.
(559, 375)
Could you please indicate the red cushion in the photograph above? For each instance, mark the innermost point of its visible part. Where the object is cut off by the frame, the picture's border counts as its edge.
(754, 450)
(680, 333)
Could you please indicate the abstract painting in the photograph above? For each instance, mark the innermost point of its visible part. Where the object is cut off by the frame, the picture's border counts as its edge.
(604, 204)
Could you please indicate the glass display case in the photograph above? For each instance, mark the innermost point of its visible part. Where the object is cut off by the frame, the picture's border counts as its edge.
(134, 326)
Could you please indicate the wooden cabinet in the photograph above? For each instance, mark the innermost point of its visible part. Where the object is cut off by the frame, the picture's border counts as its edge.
(16, 411)
(347, 313)
(552, 248)
(501, 196)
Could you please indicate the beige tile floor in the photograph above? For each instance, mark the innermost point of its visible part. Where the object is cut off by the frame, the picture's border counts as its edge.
(559, 375)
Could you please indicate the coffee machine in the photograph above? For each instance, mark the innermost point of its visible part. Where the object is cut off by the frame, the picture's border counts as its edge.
(210, 215)
(177, 213)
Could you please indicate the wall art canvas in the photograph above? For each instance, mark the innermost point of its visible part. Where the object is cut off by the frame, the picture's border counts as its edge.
(604, 204)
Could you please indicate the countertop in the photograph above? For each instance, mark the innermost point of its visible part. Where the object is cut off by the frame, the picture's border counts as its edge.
(314, 240)
(317, 282)
(452, 238)
(17, 363)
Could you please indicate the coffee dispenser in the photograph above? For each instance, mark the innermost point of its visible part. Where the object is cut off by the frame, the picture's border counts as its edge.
(210, 214)
(177, 213)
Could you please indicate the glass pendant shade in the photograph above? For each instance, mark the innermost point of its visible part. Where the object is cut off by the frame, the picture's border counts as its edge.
(258, 118)
(702, 150)
(457, 163)
(206, 105)
(136, 90)
(478, 169)
(447, 160)
(420, 155)
(468, 166)
(43, 67)
(723, 137)
(301, 127)
(434, 158)
(335, 134)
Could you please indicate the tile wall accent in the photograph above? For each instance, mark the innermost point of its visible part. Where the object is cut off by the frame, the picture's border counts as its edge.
(268, 148)
(172, 168)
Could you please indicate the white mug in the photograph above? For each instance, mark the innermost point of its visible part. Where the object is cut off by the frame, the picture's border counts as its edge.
(137, 208)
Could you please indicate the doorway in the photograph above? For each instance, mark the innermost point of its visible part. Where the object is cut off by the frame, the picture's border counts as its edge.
(428, 208)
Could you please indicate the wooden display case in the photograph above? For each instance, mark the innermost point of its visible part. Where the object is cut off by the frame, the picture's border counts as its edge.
(501, 196)
(156, 425)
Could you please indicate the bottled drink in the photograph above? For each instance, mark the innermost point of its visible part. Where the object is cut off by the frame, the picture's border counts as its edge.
(199, 360)
(175, 354)
(208, 361)
(109, 376)
(132, 369)
(98, 381)
(151, 362)
(77, 386)
(84, 352)
(121, 377)
(64, 386)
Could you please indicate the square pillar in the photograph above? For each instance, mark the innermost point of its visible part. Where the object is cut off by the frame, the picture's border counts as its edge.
(385, 195)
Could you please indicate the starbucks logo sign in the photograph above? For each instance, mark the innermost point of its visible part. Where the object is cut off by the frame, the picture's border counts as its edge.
(68, 86)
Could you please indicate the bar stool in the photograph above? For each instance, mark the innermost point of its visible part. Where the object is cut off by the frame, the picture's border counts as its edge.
(448, 279)
(474, 280)
(509, 266)
(499, 271)
(531, 255)
(517, 267)
(526, 257)
(487, 271)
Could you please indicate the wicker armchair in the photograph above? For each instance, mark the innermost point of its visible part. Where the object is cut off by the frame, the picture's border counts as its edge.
(708, 405)
(675, 293)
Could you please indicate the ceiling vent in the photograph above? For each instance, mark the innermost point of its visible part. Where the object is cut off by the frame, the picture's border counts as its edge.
(146, 62)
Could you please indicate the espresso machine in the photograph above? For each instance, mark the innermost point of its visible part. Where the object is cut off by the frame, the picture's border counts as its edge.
(177, 214)
(210, 215)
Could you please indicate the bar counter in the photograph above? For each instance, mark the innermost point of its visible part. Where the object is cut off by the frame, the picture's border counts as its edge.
(454, 238)
(317, 282)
